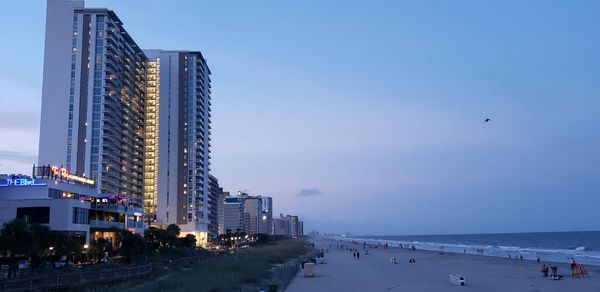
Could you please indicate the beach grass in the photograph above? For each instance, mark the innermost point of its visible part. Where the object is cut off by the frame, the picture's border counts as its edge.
(227, 272)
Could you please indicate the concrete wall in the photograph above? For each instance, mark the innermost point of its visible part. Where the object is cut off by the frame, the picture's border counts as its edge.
(56, 77)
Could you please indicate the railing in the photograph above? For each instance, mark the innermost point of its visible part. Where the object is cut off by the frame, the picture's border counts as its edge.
(282, 274)
(106, 224)
(75, 279)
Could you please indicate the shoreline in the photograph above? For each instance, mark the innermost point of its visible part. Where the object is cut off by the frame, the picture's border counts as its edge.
(430, 272)
(530, 254)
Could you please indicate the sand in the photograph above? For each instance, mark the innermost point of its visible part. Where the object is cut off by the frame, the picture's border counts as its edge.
(374, 272)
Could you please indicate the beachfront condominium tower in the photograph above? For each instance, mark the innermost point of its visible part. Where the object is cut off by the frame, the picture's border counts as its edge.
(176, 180)
(93, 98)
(252, 213)
(266, 220)
(233, 215)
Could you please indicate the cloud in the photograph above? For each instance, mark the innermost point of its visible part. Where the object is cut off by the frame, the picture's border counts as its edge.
(17, 156)
(309, 192)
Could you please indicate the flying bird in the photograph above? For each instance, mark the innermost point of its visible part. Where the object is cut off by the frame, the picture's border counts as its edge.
(487, 120)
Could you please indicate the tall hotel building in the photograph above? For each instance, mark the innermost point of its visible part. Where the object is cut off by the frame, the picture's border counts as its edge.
(177, 187)
(136, 122)
(93, 98)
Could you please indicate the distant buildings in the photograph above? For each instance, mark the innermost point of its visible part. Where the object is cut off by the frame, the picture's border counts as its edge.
(288, 226)
(254, 215)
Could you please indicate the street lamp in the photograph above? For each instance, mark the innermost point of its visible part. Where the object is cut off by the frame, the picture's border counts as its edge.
(51, 249)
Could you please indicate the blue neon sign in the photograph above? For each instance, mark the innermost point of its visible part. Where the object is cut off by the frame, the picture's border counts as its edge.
(20, 182)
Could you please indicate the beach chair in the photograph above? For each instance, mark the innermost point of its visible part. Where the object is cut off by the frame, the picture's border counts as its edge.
(457, 280)
(578, 270)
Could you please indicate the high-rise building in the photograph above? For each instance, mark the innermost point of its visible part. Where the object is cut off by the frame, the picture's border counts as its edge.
(266, 220)
(233, 215)
(93, 98)
(281, 226)
(288, 226)
(221, 211)
(300, 228)
(294, 222)
(252, 213)
(213, 206)
(177, 188)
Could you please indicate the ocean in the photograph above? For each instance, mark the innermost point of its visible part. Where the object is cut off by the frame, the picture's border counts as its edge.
(583, 246)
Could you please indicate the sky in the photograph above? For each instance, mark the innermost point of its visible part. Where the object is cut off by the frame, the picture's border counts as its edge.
(368, 116)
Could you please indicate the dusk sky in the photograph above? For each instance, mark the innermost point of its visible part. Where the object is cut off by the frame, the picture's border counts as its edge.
(368, 116)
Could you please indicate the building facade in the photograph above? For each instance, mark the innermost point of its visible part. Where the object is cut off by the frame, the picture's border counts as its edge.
(252, 213)
(288, 225)
(93, 98)
(266, 219)
(281, 226)
(213, 206)
(233, 215)
(177, 188)
(69, 204)
(221, 210)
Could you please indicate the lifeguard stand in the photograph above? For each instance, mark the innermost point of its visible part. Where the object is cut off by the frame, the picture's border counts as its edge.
(578, 270)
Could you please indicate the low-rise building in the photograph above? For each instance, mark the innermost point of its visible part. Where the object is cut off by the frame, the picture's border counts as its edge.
(68, 203)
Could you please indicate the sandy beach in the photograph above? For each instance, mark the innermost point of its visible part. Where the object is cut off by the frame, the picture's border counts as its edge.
(374, 272)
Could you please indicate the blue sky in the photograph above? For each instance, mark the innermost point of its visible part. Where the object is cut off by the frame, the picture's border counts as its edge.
(367, 116)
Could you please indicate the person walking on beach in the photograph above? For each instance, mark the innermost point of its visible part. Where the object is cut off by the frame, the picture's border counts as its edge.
(554, 271)
(521, 257)
(357, 255)
(545, 271)
(354, 254)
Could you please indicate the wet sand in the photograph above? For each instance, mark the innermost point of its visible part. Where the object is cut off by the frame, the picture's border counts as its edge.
(374, 272)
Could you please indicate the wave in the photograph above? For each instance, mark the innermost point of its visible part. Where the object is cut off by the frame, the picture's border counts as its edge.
(580, 254)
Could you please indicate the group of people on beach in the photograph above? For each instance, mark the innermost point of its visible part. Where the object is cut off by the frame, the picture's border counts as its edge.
(356, 254)
(553, 269)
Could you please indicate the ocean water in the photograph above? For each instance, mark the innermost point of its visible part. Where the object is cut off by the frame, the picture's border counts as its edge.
(583, 246)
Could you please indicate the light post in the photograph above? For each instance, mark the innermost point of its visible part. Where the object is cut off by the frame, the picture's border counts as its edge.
(51, 249)
(85, 249)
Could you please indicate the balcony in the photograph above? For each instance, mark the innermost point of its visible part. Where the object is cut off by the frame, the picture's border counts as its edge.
(106, 224)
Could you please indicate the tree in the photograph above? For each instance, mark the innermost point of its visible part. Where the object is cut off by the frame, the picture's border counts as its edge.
(153, 237)
(172, 235)
(16, 238)
(163, 238)
(188, 241)
(98, 247)
(130, 245)
(65, 245)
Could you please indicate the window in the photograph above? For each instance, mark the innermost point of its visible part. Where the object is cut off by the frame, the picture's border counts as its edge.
(34, 215)
(81, 216)
(54, 193)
